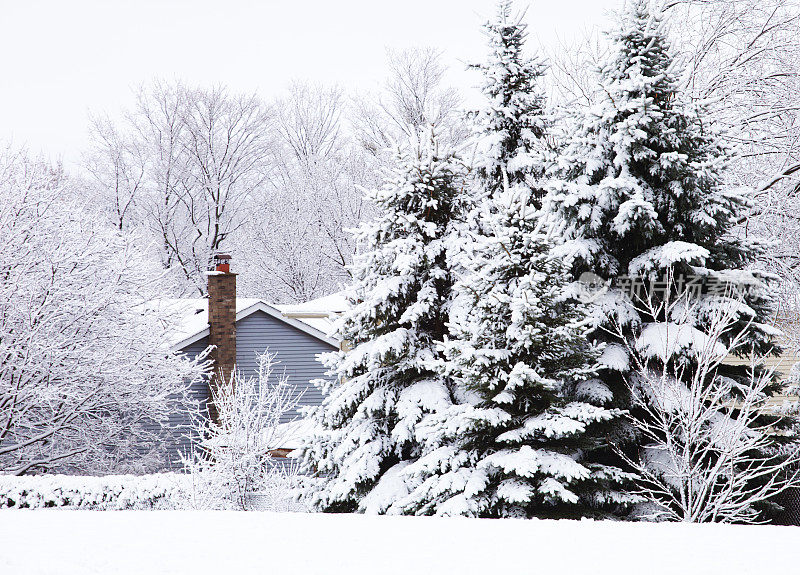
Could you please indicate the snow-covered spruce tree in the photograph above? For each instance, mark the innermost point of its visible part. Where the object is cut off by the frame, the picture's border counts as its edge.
(520, 440)
(639, 198)
(510, 127)
(384, 383)
(516, 442)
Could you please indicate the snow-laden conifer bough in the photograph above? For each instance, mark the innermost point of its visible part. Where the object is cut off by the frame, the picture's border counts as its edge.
(638, 195)
(366, 427)
(519, 441)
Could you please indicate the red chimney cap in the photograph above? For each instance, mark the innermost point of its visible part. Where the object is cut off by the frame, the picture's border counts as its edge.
(222, 263)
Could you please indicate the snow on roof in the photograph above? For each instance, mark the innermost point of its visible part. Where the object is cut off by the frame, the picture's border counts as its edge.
(334, 303)
(290, 436)
(295, 434)
(319, 313)
(190, 316)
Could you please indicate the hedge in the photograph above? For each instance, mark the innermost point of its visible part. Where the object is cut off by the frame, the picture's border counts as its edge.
(110, 492)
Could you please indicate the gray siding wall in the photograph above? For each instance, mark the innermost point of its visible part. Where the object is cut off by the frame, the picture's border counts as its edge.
(296, 357)
(180, 437)
(296, 354)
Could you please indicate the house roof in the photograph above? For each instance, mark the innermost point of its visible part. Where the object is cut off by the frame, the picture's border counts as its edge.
(334, 303)
(191, 318)
(318, 313)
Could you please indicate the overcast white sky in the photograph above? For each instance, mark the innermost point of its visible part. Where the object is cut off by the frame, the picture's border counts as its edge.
(62, 59)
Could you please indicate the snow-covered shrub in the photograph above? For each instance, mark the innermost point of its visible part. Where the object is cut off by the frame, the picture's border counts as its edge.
(233, 466)
(110, 492)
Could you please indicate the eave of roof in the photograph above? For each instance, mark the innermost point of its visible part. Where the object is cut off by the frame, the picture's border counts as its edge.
(271, 311)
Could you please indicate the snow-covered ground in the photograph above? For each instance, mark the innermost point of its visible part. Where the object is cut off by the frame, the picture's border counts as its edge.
(151, 542)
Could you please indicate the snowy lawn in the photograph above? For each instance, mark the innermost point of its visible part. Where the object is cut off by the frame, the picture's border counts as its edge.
(155, 542)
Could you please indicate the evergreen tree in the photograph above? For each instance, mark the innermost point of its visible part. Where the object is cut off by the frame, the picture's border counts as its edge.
(385, 383)
(639, 197)
(510, 127)
(518, 442)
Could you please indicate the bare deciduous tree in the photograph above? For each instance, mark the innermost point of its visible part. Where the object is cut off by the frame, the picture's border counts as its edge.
(233, 466)
(202, 154)
(310, 122)
(86, 376)
(743, 57)
(708, 451)
(298, 247)
(279, 186)
(413, 98)
(119, 166)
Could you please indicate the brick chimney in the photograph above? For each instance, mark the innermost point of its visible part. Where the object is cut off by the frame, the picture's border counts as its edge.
(221, 324)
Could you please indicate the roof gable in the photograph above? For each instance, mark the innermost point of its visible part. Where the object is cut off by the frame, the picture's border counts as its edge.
(194, 324)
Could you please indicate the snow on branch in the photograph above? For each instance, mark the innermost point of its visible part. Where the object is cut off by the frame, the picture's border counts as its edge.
(86, 381)
(711, 448)
(238, 463)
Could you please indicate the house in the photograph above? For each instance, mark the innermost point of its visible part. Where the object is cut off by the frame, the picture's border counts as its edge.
(788, 322)
(241, 329)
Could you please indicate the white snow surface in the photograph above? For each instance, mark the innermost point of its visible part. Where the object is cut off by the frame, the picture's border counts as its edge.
(666, 339)
(318, 313)
(191, 314)
(50, 542)
(334, 303)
